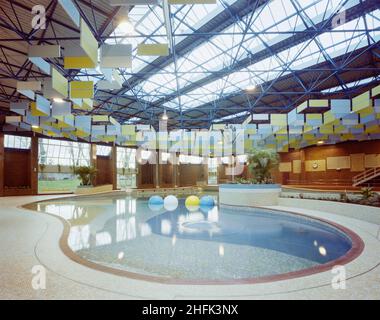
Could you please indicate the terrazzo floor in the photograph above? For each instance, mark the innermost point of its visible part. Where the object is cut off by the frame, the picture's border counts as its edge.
(29, 238)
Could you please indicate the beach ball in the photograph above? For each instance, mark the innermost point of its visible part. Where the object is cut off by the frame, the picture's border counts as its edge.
(207, 201)
(170, 203)
(192, 203)
(155, 203)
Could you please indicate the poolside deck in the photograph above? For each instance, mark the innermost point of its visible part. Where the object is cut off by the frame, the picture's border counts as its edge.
(34, 239)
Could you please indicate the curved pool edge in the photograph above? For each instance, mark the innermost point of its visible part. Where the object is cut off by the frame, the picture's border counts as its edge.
(355, 251)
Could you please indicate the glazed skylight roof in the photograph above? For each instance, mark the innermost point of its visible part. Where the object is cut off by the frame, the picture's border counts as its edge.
(232, 45)
(176, 85)
(185, 20)
(297, 57)
(352, 84)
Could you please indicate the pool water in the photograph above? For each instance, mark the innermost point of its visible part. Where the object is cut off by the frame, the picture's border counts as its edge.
(218, 243)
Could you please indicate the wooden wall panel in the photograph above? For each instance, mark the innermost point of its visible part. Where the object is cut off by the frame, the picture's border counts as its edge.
(342, 162)
(34, 165)
(190, 174)
(1, 164)
(372, 160)
(297, 168)
(357, 162)
(145, 177)
(114, 167)
(166, 175)
(315, 165)
(104, 174)
(17, 167)
(285, 167)
(330, 176)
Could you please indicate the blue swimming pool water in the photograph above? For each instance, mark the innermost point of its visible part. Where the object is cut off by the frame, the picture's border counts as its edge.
(215, 243)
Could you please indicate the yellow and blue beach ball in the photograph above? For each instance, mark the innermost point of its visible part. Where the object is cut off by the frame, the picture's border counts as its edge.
(192, 203)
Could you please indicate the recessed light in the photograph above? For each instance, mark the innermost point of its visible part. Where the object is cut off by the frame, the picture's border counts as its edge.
(126, 26)
(58, 100)
(251, 87)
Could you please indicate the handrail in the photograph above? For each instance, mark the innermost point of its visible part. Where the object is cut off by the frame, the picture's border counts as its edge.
(365, 176)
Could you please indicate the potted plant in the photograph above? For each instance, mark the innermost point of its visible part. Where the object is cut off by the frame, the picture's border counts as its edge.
(261, 163)
(86, 174)
(369, 197)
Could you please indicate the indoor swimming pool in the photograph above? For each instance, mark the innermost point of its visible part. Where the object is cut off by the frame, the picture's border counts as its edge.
(122, 234)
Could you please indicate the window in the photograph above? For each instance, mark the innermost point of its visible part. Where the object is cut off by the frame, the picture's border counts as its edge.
(17, 142)
(63, 153)
(56, 160)
(212, 171)
(126, 168)
(103, 150)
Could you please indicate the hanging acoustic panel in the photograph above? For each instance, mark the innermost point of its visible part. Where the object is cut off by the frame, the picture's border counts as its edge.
(44, 51)
(19, 107)
(279, 120)
(59, 84)
(83, 62)
(88, 42)
(112, 130)
(100, 118)
(260, 118)
(114, 83)
(350, 119)
(41, 107)
(88, 104)
(13, 119)
(361, 102)
(81, 89)
(60, 108)
(41, 64)
(375, 91)
(313, 106)
(340, 107)
(314, 119)
(295, 118)
(116, 56)
(116, 3)
(98, 130)
(83, 123)
(28, 88)
(192, 1)
(128, 130)
(330, 118)
(71, 11)
(326, 129)
(157, 49)
(108, 85)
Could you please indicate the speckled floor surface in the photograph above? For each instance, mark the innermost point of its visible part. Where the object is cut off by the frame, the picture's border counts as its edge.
(28, 239)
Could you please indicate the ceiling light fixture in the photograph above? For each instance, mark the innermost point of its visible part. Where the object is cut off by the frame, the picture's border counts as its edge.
(320, 142)
(35, 126)
(125, 26)
(58, 100)
(165, 116)
(250, 87)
